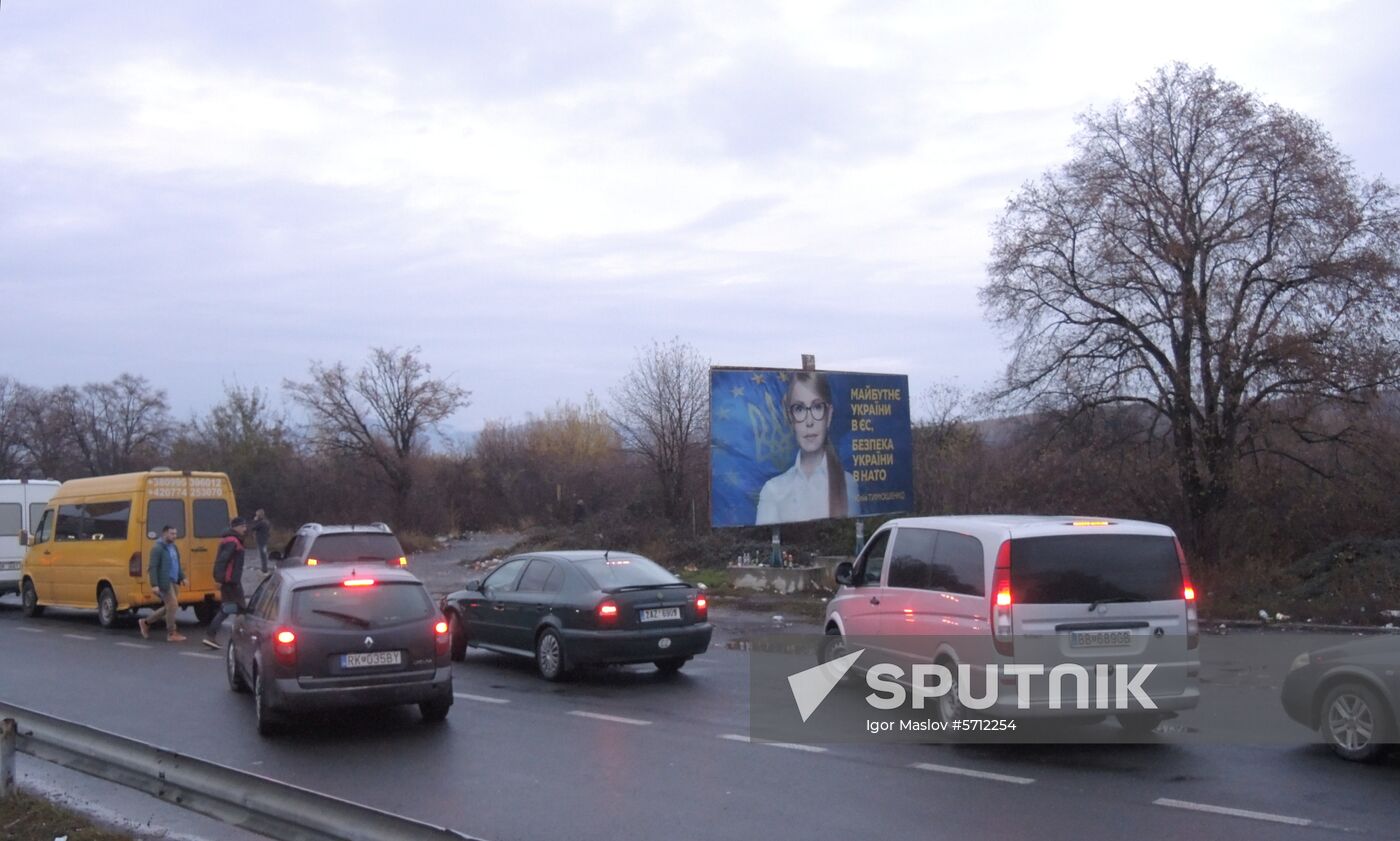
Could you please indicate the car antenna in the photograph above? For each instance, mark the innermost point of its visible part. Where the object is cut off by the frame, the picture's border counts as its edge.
(605, 554)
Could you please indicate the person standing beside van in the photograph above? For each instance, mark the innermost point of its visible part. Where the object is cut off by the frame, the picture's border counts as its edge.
(228, 572)
(166, 577)
(262, 533)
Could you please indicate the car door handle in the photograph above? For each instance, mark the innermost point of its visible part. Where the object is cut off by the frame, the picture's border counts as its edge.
(874, 599)
(200, 549)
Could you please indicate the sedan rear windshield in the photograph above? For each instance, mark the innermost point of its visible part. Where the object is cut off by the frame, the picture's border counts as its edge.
(340, 607)
(353, 546)
(1082, 569)
(627, 571)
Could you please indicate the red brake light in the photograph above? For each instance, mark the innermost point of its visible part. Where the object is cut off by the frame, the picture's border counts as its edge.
(286, 637)
(285, 647)
(607, 611)
(359, 582)
(1004, 597)
(702, 607)
(440, 628)
(1188, 592)
(1002, 628)
(311, 562)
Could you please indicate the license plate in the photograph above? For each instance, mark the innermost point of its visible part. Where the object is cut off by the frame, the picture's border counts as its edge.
(9, 564)
(1100, 639)
(658, 614)
(371, 658)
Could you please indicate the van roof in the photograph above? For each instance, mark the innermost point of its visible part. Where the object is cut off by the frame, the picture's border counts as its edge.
(127, 482)
(1001, 526)
(54, 482)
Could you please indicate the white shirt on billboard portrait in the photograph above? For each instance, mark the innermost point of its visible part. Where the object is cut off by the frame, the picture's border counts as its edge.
(794, 496)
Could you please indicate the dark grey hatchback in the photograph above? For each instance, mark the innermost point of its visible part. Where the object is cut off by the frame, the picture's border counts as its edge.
(569, 609)
(325, 637)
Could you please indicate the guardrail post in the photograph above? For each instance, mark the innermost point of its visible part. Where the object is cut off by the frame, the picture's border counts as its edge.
(7, 757)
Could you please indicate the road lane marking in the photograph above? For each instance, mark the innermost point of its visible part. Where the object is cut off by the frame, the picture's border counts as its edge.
(133, 645)
(616, 719)
(1234, 813)
(31, 630)
(735, 737)
(79, 637)
(485, 699)
(198, 654)
(968, 772)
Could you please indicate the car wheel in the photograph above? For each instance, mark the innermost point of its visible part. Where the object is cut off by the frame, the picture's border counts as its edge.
(833, 646)
(268, 724)
(1139, 724)
(435, 711)
(950, 706)
(670, 665)
(204, 612)
(549, 655)
(235, 678)
(106, 607)
(29, 600)
(1355, 722)
(458, 634)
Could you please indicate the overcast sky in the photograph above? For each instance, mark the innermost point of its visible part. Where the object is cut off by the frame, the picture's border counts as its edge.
(212, 192)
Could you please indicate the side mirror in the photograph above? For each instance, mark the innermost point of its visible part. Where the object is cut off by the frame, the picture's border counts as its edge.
(843, 573)
(473, 584)
(274, 555)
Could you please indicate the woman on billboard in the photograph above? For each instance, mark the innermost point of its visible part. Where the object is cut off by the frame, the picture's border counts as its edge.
(816, 486)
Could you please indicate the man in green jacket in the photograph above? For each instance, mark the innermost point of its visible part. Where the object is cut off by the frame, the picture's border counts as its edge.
(166, 578)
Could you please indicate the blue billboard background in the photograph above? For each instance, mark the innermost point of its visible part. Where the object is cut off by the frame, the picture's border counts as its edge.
(751, 440)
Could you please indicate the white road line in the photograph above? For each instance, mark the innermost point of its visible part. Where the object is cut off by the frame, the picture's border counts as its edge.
(617, 719)
(485, 699)
(199, 654)
(133, 645)
(79, 637)
(968, 772)
(1234, 813)
(735, 737)
(31, 630)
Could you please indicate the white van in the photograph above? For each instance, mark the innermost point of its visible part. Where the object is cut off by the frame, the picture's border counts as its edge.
(1094, 595)
(21, 506)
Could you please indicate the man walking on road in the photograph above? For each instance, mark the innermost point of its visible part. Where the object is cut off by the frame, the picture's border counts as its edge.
(166, 576)
(262, 532)
(228, 571)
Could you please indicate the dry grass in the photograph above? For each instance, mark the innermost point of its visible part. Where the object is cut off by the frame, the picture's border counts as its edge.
(24, 817)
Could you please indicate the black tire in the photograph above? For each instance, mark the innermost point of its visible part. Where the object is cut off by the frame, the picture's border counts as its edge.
(204, 611)
(268, 722)
(550, 659)
(833, 647)
(948, 706)
(435, 711)
(235, 677)
(29, 600)
(458, 634)
(1139, 725)
(670, 665)
(1355, 722)
(106, 607)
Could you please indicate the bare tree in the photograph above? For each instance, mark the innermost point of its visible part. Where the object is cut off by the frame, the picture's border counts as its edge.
(380, 415)
(1207, 256)
(661, 410)
(247, 438)
(11, 438)
(110, 427)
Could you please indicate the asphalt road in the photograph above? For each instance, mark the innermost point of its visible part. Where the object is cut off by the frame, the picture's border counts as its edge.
(626, 754)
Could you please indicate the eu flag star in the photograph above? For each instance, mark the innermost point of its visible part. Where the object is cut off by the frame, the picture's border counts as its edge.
(757, 379)
(737, 391)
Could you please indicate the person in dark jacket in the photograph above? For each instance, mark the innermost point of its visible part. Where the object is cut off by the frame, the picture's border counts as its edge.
(262, 533)
(166, 578)
(228, 572)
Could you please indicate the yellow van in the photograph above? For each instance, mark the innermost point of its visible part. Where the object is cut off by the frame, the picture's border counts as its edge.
(89, 549)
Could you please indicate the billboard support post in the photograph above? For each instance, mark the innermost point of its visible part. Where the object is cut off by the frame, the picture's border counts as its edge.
(860, 534)
(777, 558)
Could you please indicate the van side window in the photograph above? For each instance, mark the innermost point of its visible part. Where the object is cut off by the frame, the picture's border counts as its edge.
(210, 517)
(10, 513)
(36, 511)
(957, 564)
(911, 561)
(166, 512)
(296, 548)
(872, 563)
(45, 529)
(106, 520)
(70, 522)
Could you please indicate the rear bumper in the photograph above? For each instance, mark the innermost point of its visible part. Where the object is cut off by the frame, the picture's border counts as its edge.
(1007, 706)
(641, 646)
(290, 695)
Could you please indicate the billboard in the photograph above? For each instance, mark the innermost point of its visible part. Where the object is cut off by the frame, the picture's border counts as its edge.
(788, 446)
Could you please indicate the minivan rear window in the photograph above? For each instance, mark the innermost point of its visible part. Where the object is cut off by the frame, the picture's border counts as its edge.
(626, 571)
(341, 607)
(1085, 568)
(355, 546)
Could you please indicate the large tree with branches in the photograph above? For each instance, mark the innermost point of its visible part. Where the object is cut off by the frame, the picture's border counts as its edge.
(1211, 258)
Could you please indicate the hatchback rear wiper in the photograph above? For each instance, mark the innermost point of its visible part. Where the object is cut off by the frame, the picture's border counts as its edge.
(348, 617)
(1114, 600)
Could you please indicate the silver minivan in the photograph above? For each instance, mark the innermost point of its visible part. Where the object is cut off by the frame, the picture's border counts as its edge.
(1101, 598)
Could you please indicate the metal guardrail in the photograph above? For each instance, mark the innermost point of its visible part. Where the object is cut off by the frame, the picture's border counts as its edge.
(238, 798)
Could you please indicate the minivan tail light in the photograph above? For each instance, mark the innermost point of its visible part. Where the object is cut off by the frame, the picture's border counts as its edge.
(284, 646)
(403, 561)
(133, 565)
(311, 562)
(1188, 593)
(441, 638)
(1002, 602)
